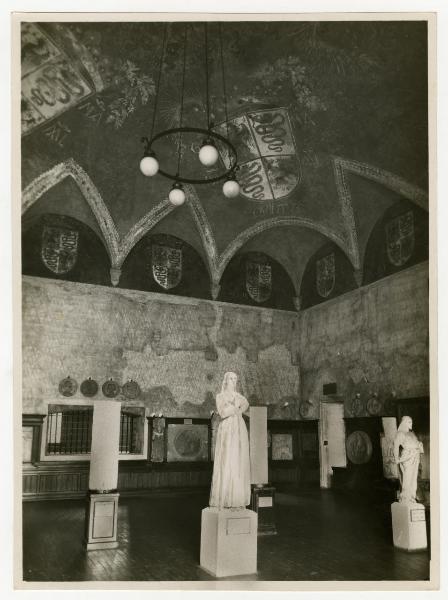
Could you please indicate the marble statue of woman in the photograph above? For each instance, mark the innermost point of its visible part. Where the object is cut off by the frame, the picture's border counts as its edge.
(231, 468)
(407, 450)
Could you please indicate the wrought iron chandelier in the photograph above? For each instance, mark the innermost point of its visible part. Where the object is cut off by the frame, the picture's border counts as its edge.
(208, 154)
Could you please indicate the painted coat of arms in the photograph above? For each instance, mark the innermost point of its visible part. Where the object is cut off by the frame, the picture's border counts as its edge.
(51, 84)
(269, 165)
(400, 239)
(166, 265)
(59, 249)
(325, 275)
(258, 281)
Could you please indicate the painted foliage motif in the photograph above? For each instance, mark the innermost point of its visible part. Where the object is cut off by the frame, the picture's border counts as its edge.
(325, 275)
(59, 250)
(258, 280)
(269, 165)
(400, 239)
(50, 83)
(166, 262)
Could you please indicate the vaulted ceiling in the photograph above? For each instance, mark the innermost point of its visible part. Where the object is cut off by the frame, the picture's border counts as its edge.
(346, 102)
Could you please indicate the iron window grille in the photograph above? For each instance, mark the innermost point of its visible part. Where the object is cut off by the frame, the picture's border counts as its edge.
(69, 430)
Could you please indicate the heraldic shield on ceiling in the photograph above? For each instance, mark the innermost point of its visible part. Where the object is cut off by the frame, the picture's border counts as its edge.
(325, 275)
(267, 157)
(59, 249)
(258, 280)
(166, 264)
(400, 239)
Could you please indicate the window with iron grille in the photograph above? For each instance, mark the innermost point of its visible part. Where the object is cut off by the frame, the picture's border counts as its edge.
(132, 430)
(69, 430)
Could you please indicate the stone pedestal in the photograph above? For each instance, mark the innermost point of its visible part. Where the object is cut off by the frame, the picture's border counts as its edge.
(101, 521)
(102, 510)
(228, 541)
(262, 502)
(409, 526)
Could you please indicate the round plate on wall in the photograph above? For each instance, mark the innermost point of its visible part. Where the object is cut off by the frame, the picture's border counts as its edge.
(131, 389)
(89, 387)
(68, 387)
(110, 388)
(374, 406)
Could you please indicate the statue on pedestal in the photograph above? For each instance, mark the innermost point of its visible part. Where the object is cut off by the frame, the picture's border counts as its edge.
(407, 450)
(231, 468)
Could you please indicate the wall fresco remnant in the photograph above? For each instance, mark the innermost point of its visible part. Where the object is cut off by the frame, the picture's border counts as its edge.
(159, 342)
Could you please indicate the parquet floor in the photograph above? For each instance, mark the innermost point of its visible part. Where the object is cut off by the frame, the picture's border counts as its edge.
(321, 537)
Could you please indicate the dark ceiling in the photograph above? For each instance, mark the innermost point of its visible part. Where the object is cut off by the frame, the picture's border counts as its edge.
(347, 100)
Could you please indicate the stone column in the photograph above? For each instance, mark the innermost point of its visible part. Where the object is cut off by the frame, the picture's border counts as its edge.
(259, 445)
(262, 499)
(101, 522)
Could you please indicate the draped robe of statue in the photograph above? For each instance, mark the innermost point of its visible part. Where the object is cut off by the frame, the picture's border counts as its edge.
(408, 459)
(231, 468)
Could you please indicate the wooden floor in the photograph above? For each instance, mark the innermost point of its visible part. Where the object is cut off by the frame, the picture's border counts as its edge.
(321, 537)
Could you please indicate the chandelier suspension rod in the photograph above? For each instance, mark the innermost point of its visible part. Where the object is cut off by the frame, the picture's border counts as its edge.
(156, 99)
(182, 102)
(223, 80)
(207, 93)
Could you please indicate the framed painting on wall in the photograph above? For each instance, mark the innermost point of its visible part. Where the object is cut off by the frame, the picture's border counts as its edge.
(282, 448)
(187, 442)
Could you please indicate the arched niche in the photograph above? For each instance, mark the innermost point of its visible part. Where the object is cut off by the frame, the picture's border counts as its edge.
(61, 247)
(399, 239)
(165, 264)
(256, 279)
(328, 274)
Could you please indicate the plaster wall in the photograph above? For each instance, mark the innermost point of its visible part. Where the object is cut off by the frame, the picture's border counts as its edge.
(372, 339)
(177, 349)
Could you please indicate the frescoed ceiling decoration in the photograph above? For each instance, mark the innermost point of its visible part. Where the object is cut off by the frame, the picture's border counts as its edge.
(328, 118)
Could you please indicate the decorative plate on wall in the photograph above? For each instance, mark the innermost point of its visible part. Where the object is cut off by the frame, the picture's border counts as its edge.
(89, 387)
(374, 406)
(131, 389)
(359, 447)
(68, 386)
(304, 409)
(110, 388)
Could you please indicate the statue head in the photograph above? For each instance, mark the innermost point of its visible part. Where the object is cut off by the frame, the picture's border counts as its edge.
(229, 382)
(405, 424)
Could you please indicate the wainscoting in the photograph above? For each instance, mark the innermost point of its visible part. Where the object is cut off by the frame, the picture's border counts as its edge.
(45, 481)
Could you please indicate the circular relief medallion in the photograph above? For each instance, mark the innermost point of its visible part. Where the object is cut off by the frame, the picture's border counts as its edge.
(357, 406)
(89, 387)
(131, 389)
(374, 406)
(359, 447)
(187, 444)
(304, 409)
(111, 388)
(68, 386)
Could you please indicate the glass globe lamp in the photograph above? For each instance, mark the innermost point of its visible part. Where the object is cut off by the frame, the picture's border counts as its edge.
(231, 188)
(208, 154)
(149, 165)
(176, 195)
